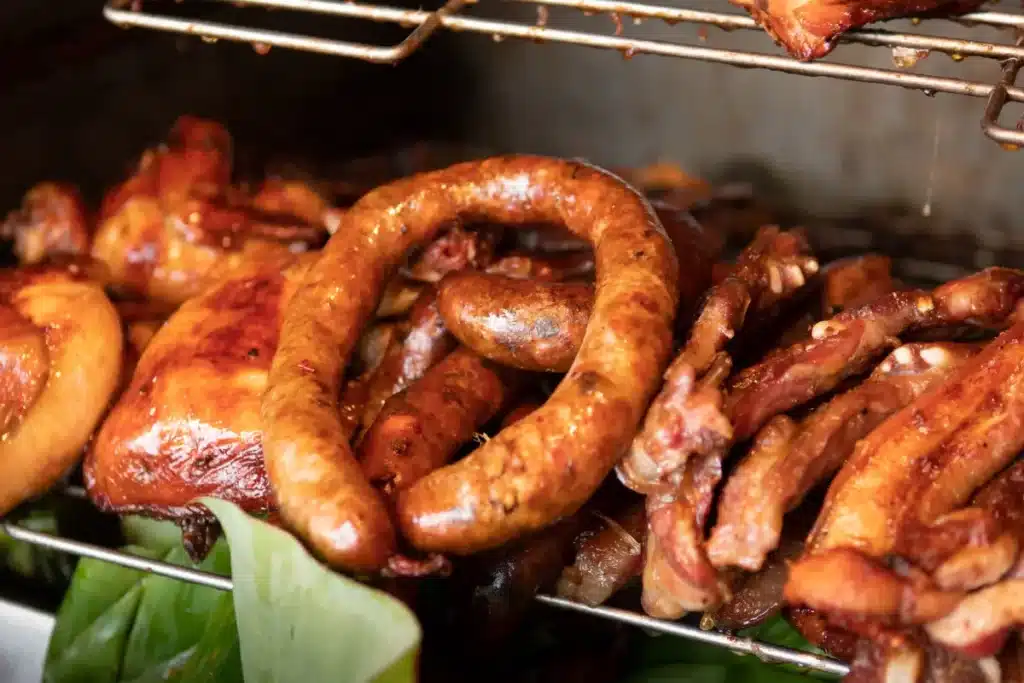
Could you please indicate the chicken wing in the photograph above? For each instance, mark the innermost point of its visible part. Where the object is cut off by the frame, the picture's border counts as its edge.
(177, 225)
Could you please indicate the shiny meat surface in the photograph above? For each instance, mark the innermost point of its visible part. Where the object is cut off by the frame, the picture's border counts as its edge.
(189, 425)
(808, 29)
(73, 340)
(847, 344)
(177, 225)
(52, 220)
(929, 458)
(607, 560)
(24, 366)
(787, 460)
(677, 457)
(919, 465)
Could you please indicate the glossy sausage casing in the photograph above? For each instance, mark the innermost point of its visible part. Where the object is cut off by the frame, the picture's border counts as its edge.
(529, 475)
(520, 323)
(421, 428)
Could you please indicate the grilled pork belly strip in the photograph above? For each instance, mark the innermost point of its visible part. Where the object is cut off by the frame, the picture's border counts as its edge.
(788, 459)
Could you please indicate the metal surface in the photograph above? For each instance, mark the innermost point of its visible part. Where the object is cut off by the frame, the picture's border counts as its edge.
(24, 634)
(763, 651)
(161, 17)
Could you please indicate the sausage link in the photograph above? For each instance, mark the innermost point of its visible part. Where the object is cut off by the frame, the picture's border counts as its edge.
(421, 428)
(519, 323)
(405, 361)
(519, 412)
(543, 467)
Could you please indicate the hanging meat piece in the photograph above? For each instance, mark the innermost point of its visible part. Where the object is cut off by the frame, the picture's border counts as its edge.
(808, 29)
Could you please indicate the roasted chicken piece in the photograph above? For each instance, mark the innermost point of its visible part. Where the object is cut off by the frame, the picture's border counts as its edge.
(60, 362)
(188, 424)
(177, 225)
(808, 29)
(51, 221)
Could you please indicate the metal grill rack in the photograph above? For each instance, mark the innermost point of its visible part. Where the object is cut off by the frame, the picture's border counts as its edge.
(763, 651)
(532, 22)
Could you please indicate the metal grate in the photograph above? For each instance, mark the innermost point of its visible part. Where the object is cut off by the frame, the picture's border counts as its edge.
(763, 651)
(468, 16)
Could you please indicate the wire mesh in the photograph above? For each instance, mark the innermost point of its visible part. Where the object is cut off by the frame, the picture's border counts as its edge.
(468, 16)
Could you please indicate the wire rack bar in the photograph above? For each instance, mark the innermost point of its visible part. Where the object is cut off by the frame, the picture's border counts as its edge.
(126, 13)
(764, 651)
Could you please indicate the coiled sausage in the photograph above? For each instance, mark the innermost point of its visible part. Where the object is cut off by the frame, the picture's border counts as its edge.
(541, 468)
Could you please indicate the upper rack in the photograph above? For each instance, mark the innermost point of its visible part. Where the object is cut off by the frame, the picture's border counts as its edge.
(467, 16)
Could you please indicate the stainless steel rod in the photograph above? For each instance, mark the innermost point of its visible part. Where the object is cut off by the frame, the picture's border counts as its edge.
(629, 47)
(733, 21)
(66, 545)
(764, 651)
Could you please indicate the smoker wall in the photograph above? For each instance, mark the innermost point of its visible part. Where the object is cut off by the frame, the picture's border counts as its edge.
(827, 147)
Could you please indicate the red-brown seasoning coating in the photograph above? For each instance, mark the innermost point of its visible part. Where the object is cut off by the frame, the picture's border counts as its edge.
(24, 366)
(848, 343)
(787, 460)
(188, 425)
(541, 468)
(405, 360)
(523, 324)
(420, 429)
(809, 29)
(51, 221)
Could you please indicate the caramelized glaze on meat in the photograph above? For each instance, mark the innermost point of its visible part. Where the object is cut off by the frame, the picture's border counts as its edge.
(177, 225)
(787, 460)
(188, 425)
(60, 362)
(808, 29)
(24, 366)
(52, 220)
(919, 465)
(928, 459)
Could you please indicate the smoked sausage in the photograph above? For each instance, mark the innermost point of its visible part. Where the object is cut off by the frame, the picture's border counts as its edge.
(540, 469)
(523, 324)
(421, 428)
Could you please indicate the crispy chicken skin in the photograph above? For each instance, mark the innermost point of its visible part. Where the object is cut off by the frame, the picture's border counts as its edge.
(49, 323)
(188, 425)
(808, 29)
(177, 225)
